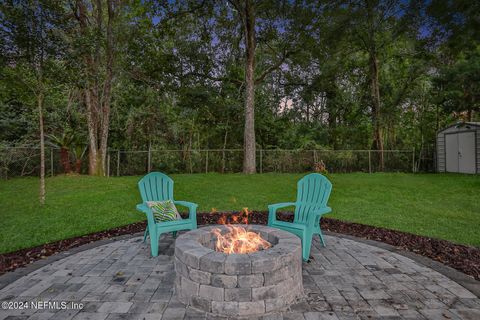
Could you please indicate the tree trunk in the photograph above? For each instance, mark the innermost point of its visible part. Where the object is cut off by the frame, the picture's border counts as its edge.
(89, 95)
(377, 126)
(65, 160)
(332, 118)
(224, 147)
(249, 160)
(38, 55)
(42, 148)
(107, 88)
(78, 166)
(98, 98)
(92, 133)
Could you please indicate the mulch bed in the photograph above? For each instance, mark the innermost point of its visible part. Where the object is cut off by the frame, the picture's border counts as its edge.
(460, 257)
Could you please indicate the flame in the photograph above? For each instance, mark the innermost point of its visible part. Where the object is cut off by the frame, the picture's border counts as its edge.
(241, 217)
(245, 215)
(222, 219)
(238, 239)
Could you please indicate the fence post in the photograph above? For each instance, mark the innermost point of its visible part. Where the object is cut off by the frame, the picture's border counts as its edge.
(51, 162)
(369, 161)
(118, 163)
(413, 160)
(206, 162)
(261, 160)
(149, 159)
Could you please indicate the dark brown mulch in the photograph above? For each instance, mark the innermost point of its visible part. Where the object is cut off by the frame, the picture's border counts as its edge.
(460, 257)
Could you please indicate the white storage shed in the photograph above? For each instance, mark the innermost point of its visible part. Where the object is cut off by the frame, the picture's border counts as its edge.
(458, 148)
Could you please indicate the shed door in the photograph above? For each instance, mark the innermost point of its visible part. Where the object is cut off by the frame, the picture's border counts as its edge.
(466, 152)
(451, 152)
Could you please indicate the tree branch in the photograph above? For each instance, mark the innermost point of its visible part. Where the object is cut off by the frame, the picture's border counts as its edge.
(175, 15)
(273, 67)
(209, 77)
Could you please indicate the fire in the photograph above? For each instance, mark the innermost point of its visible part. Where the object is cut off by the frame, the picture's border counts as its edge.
(238, 239)
(242, 217)
(222, 219)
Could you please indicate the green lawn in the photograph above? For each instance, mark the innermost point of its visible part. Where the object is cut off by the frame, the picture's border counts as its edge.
(443, 206)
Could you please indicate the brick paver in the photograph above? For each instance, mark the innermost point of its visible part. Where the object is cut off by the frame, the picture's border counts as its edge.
(345, 280)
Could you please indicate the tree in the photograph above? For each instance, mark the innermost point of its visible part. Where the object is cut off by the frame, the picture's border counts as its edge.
(97, 48)
(279, 32)
(246, 11)
(459, 84)
(30, 50)
(455, 29)
(194, 74)
(374, 25)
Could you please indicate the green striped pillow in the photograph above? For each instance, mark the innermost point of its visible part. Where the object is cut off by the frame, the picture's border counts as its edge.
(164, 210)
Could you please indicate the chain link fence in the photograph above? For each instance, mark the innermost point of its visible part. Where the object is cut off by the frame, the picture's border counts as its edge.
(25, 161)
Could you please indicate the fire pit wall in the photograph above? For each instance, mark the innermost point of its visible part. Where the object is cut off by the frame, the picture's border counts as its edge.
(238, 284)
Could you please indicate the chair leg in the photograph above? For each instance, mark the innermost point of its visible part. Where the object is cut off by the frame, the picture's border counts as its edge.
(154, 244)
(306, 246)
(145, 235)
(322, 239)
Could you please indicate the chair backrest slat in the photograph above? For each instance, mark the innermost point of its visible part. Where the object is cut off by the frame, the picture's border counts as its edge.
(313, 192)
(156, 186)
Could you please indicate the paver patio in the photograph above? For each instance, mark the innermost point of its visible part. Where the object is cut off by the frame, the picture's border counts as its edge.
(346, 280)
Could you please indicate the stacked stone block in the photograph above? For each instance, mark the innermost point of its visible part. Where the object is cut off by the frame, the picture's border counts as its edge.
(238, 284)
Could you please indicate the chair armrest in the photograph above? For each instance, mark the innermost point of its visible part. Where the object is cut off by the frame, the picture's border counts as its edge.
(189, 205)
(272, 209)
(317, 214)
(192, 209)
(145, 209)
(280, 205)
(142, 207)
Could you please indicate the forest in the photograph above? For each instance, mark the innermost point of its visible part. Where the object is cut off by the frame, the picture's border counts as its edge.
(91, 75)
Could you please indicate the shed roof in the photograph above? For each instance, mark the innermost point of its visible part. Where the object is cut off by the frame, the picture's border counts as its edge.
(461, 124)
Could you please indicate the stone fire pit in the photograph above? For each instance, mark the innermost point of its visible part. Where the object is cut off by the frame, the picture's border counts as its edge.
(238, 284)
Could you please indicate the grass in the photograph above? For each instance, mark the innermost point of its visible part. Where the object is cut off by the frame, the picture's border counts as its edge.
(443, 206)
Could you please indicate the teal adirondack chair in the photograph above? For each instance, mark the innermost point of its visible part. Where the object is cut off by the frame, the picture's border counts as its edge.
(157, 186)
(313, 191)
